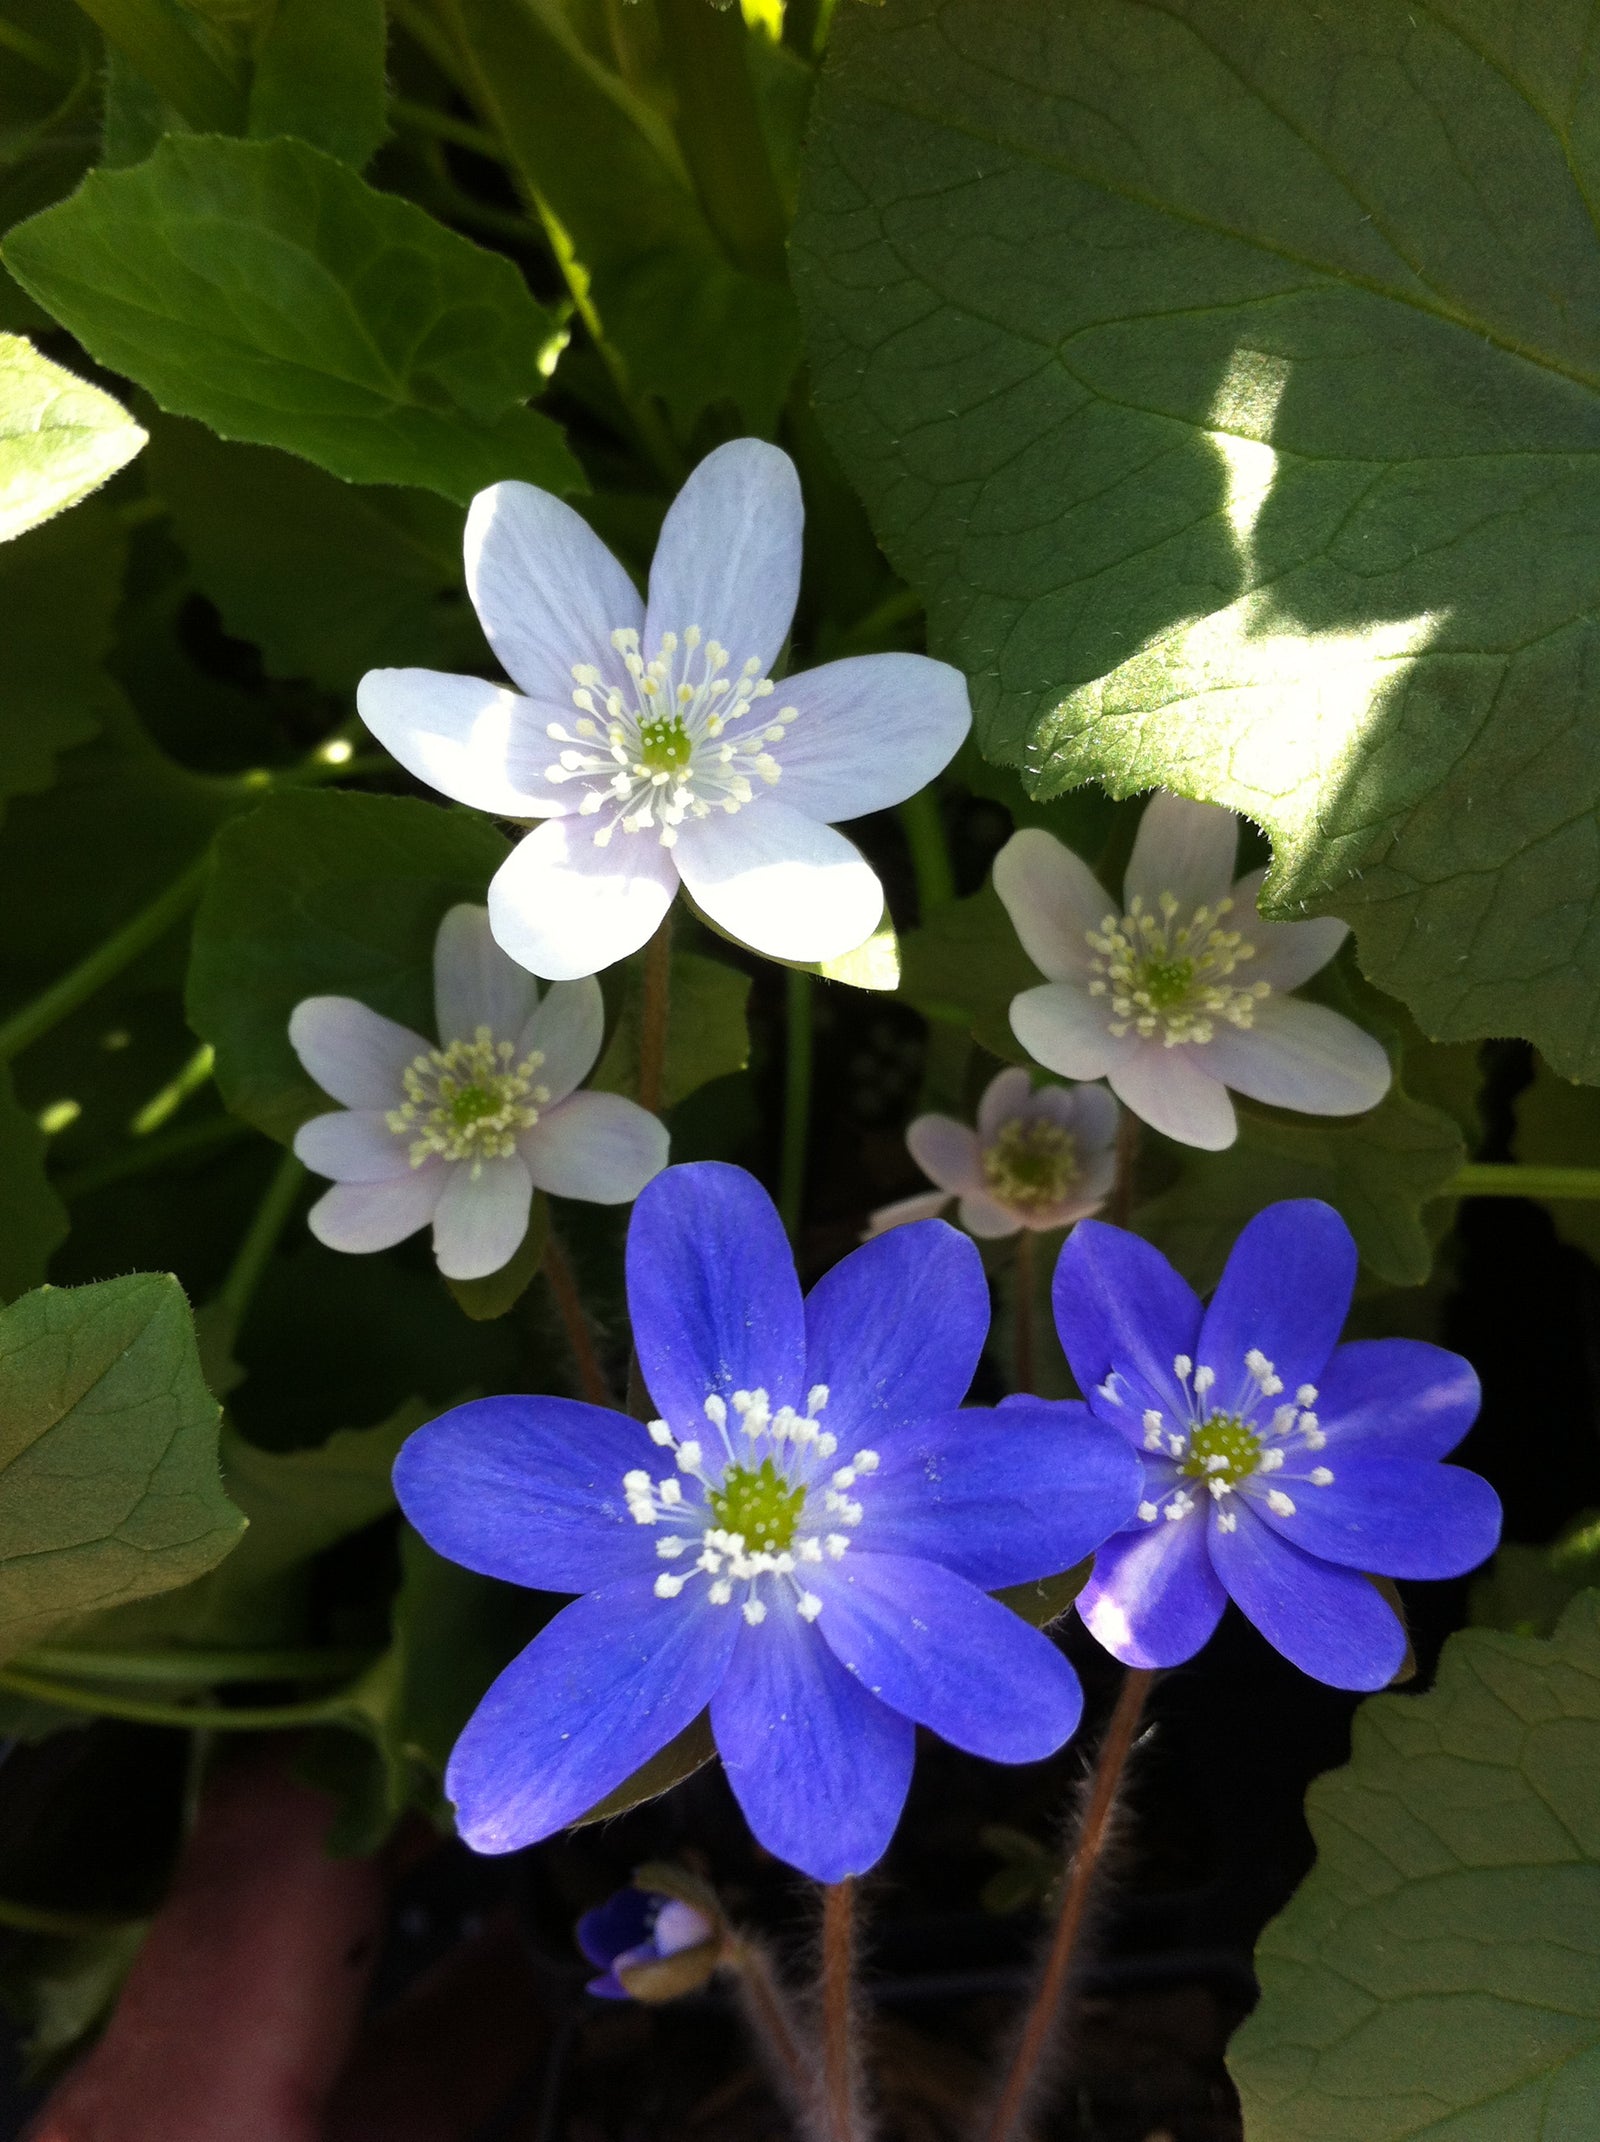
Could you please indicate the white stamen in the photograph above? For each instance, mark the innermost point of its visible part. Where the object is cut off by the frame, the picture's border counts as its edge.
(1279, 1503)
(1319, 1476)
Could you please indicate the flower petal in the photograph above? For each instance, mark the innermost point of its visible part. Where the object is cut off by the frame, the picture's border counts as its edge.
(1008, 1094)
(475, 983)
(1062, 1027)
(361, 1217)
(1397, 1398)
(473, 741)
(780, 882)
(566, 1030)
(1154, 1597)
(712, 1293)
(353, 1146)
(565, 908)
(1001, 1497)
(1302, 1056)
(1088, 1112)
(1183, 848)
(1123, 1315)
(355, 1055)
(1396, 1517)
(530, 1490)
(873, 729)
(598, 1146)
(1286, 1290)
(613, 1678)
(729, 555)
(1329, 1622)
(547, 591)
(621, 1922)
(989, 1220)
(901, 1214)
(946, 1151)
(820, 1768)
(895, 1330)
(1054, 900)
(937, 1649)
(1174, 1091)
(481, 1218)
(1287, 953)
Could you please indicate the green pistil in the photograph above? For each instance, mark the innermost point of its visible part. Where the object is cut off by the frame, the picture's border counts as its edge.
(472, 1104)
(664, 746)
(760, 1505)
(1031, 1164)
(1227, 1437)
(1166, 982)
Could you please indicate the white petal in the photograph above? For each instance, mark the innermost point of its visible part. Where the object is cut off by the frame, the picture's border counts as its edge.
(567, 1031)
(1088, 1112)
(1173, 1091)
(729, 555)
(565, 908)
(475, 983)
(361, 1217)
(598, 1146)
(1064, 1028)
(1184, 848)
(947, 1152)
(1007, 1094)
(547, 591)
(1054, 900)
(1287, 953)
(781, 883)
(927, 1205)
(355, 1055)
(987, 1218)
(1303, 1056)
(872, 730)
(480, 1220)
(473, 741)
(353, 1146)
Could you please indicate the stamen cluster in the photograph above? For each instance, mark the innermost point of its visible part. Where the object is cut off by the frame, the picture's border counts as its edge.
(1031, 1163)
(468, 1101)
(1170, 978)
(1224, 1451)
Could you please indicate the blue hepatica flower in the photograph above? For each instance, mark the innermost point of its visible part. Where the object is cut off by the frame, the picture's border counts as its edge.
(1279, 1466)
(804, 1540)
(639, 1926)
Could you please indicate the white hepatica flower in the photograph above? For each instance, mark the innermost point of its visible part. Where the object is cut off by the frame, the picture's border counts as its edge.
(1185, 993)
(463, 1133)
(1036, 1160)
(651, 736)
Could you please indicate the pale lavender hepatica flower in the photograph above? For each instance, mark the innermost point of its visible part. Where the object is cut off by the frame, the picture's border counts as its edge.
(1186, 993)
(463, 1131)
(651, 736)
(1037, 1160)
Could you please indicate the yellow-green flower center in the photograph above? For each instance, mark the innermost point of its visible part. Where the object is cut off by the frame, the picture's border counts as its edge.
(468, 1101)
(1032, 1163)
(1224, 1448)
(665, 746)
(1171, 978)
(759, 1505)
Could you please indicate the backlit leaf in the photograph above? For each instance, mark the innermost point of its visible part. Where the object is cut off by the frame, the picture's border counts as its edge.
(60, 438)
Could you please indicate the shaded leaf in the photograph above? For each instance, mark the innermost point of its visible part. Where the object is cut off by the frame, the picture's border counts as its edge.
(1558, 1123)
(963, 967)
(319, 75)
(60, 438)
(59, 587)
(707, 1036)
(35, 1218)
(1526, 1590)
(690, 1751)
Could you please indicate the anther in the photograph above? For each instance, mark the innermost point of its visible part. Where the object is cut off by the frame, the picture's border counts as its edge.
(1279, 1503)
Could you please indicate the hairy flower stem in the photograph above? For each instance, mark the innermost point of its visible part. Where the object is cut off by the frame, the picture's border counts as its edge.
(1088, 1849)
(654, 1015)
(765, 2007)
(1023, 1366)
(1127, 1168)
(838, 2013)
(563, 1284)
(796, 1097)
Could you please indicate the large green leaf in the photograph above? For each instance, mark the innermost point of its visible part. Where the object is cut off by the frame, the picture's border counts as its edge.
(35, 1218)
(264, 288)
(109, 1484)
(60, 438)
(1224, 372)
(1437, 1976)
(319, 75)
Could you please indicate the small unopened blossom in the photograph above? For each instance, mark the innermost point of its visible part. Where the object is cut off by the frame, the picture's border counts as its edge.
(1281, 1469)
(1185, 992)
(459, 1132)
(1036, 1161)
(652, 735)
(802, 1538)
(634, 1933)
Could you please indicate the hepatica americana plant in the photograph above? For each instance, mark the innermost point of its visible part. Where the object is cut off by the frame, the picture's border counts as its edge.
(797, 1064)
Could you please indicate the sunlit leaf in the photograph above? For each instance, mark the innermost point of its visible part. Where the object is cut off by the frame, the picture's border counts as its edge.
(60, 438)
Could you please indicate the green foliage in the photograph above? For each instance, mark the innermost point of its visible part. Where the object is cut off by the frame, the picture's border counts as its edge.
(1559, 1123)
(1436, 1973)
(59, 587)
(60, 438)
(1526, 1590)
(108, 1440)
(35, 1218)
(964, 966)
(1231, 448)
(319, 75)
(264, 288)
(707, 1038)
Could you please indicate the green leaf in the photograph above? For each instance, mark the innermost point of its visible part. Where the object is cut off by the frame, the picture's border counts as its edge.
(1526, 1590)
(35, 1218)
(1436, 1974)
(60, 438)
(59, 588)
(1237, 446)
(707, 1036)
(108, 1446)
(323, 894)
(1559, 1123)
(964, 966)
(264, 288)
(319, 75)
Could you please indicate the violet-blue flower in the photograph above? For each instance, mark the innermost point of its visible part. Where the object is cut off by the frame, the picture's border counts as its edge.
(1279, 1465)
(641, 1927)
(803, 1540)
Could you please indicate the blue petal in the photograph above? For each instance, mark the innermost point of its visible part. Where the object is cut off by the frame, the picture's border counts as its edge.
(1398, 1517)
(1154, 1598)
(1400, 1396)
(820, 1768)
(529, 1489)
(1329, 1622)
(712, 1293)
(895, 1330)
(1002, 1497)
(1124, 1315)
(621, 1922)
(936, 1649)
(613, 1678)
(1286, 1291)
(607, 1987)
